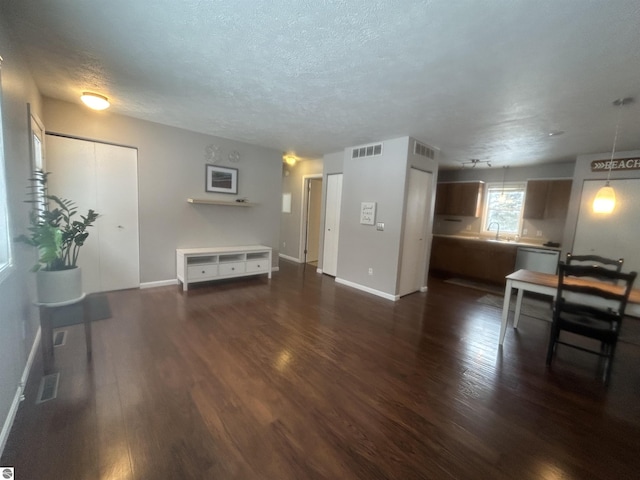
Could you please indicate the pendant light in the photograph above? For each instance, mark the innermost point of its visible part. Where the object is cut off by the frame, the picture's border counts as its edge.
(503, 197)
(605, 200)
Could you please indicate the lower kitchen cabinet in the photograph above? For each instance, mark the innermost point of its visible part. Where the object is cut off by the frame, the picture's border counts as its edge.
(476, 259)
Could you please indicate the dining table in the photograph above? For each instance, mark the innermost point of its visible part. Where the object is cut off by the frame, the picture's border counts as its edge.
(547, 284)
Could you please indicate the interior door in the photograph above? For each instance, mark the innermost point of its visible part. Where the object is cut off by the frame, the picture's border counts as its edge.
(314, 204)
(332, 224)
(414, 245)
(102, 177)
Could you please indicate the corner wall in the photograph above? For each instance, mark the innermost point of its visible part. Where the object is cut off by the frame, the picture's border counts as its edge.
(379, 179)
(18, 317)
(171, 168)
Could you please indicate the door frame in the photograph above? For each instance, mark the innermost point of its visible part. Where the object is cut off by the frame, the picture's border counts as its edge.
(304, 214)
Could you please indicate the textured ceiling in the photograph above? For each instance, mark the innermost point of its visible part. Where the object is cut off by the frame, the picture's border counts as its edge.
(476, 79)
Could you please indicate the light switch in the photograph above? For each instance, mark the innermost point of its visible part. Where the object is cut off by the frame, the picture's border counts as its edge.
(380, 226)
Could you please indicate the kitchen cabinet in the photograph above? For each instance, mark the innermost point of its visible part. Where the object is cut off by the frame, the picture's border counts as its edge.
(477, 259)
(547, 199)
(459, 198)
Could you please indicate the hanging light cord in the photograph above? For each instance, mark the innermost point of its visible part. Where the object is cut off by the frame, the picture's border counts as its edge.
(620, 104)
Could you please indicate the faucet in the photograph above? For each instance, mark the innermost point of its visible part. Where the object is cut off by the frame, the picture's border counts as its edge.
(497, 231)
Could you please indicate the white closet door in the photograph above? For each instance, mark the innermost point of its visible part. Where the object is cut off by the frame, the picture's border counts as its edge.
(72, 166)
(117, 193)
(414, 246)
(332, 224)
(104, 178)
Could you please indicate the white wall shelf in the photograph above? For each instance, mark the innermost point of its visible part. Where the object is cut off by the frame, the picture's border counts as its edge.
(214, 263)
(205, 201)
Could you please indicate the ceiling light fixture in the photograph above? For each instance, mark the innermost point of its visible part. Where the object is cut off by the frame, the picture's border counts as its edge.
(605, 200)
(95, 100)
(475, 161)
(290, 159)
(555, 133)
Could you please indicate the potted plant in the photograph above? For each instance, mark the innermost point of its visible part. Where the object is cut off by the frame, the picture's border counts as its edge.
(58, 234)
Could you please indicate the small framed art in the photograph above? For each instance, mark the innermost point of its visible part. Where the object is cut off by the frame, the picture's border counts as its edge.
(221, 179)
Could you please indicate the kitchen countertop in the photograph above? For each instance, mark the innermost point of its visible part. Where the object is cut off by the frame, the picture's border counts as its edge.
(477, 238)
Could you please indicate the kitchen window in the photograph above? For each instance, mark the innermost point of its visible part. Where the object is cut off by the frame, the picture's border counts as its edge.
(503, 206)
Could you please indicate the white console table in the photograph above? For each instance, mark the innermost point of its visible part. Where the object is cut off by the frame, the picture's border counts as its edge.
(215, 263)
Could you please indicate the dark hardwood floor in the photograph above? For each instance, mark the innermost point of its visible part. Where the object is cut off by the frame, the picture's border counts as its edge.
(300, 378)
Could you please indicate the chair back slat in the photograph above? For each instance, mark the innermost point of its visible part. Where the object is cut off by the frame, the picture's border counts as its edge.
(590, 302)
(579, 279)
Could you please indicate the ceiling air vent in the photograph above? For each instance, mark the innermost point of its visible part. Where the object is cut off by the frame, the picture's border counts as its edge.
(368, 151)
(420, 149)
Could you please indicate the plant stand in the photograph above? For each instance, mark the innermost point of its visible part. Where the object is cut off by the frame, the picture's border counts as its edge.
(46, 310)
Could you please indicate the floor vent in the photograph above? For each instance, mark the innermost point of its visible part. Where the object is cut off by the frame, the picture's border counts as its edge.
(48, 387)
(60, 338)
(368, 151)
(420, 149)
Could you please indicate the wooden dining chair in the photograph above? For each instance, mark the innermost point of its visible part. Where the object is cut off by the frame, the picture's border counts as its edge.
(609, 263)
(590, 308)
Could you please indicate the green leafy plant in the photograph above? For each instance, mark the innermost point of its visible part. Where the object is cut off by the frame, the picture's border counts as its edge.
(53, 230)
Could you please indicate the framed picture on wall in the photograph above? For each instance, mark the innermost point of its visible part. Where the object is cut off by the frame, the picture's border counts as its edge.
(221, 179)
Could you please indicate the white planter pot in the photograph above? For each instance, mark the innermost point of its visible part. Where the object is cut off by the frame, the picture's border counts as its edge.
(59, 286)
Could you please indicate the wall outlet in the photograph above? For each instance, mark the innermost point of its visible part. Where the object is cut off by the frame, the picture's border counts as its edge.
(538, 233)
(370, 271)
(380, 226)
(524, 232)
(469, 227)
(284, 244)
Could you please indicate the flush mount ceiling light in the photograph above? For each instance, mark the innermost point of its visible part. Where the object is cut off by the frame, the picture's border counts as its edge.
(605, 200)
(95, 100)
(290, 159)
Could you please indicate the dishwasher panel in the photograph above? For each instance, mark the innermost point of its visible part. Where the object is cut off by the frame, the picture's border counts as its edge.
(537, 259)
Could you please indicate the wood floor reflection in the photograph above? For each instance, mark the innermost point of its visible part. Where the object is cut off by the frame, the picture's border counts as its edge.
(300, 378)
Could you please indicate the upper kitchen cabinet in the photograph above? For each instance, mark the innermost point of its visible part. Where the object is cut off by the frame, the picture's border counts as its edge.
(547, 199)
(459, 199)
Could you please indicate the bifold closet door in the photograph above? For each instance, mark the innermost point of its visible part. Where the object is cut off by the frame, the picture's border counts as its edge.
(102, 177)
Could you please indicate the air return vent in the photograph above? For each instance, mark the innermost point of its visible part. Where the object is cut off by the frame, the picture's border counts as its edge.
(368, 151)
(420, 149)
(48, 389)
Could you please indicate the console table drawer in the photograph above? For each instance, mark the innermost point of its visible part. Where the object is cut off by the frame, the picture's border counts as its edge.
(196, 272)
(258, 265)
(232, 268)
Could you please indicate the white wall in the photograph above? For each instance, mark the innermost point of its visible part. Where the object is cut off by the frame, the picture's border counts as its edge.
(171, 167)
(627, 243)
(18, 318)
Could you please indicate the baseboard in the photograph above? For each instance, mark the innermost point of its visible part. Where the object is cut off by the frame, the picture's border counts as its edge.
(318, 270)
(275, 269)
(423, 289)
(373, 291)
(291, 259)
(159, 283)
(13, 410)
